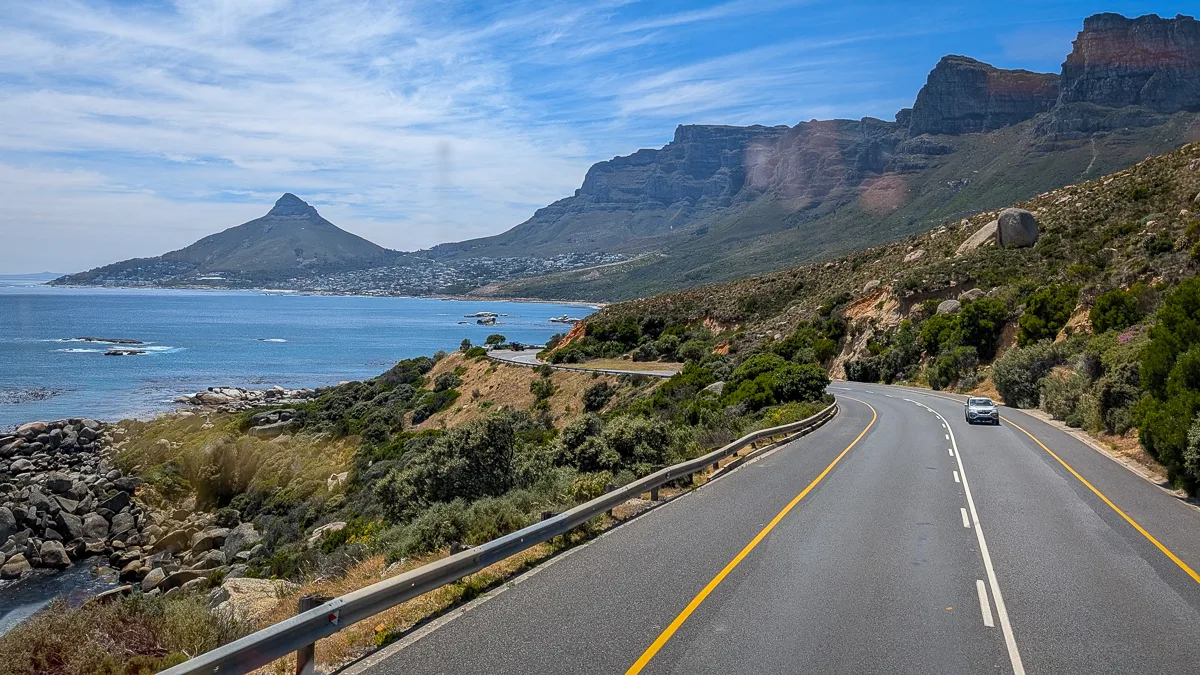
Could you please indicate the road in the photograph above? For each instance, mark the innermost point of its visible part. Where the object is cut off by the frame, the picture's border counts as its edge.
(529, 358)
(914, 543)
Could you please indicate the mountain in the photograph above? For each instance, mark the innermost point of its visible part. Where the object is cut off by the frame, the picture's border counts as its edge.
(292, 240)
(719, 202)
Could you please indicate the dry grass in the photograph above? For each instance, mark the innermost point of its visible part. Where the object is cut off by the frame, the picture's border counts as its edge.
(626, 364)
(1128, 448)
(499, 385)
(354, 641)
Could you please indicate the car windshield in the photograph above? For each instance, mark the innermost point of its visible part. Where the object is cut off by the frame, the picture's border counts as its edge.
(980, 402)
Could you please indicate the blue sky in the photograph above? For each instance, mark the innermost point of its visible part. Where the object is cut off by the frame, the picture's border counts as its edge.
(132, 128)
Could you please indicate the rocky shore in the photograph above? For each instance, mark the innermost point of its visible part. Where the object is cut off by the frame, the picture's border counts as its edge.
(62, 502)
(236, 399)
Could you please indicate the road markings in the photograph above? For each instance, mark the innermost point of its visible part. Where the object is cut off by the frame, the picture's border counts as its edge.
(984, 605)
(1166, 551)
(1014, 655)
(658, 643)
(956, 480)
(966, 522)
(951, 451)
(947, 435)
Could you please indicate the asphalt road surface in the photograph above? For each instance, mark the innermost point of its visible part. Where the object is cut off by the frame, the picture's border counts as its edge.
(914, 543)
(529, 358)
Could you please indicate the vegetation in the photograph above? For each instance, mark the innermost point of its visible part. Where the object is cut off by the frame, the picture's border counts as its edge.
(128, 636)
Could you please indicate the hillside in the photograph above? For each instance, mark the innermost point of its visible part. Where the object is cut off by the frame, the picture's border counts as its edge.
(291, 240)
(720, 202)
(1097, 321)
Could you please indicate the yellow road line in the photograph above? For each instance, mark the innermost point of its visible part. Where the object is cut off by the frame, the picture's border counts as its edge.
(691, 607)
(1166, 551)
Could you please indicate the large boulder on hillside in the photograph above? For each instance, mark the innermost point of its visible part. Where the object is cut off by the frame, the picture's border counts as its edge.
(248, 601)
(241, 538)
(1016, 228)
(15, 567)
(948, 306)
(54, 555)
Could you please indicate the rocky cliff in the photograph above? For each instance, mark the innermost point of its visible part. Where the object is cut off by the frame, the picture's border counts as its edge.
(719, 202)
(963, 96)
(1148, 61)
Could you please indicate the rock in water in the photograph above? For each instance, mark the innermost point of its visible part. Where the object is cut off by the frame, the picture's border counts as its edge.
(54, 555)
(1017, 227)
(15, 567)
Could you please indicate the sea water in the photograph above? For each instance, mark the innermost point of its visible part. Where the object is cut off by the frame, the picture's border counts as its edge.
(197, 339)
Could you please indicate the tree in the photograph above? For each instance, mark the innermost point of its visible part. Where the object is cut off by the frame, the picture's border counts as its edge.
(494, 339)
(980, 323)
(1115, 310)
(939, 332)
(465, 344)
(794, 382)
(1046, 312)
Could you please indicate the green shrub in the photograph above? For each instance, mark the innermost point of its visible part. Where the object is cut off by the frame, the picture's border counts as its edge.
(597, 395)
(470, 461)
(1067, 398)
(980, 323)
(1115, 310)
(542, 388)
(792, 382)
(1046, 312)
(475, 352)
(495, 339)
(446, 381)
(939, 332)
(132, 635)
(1017, 374)
(952, 365)
(694, 350)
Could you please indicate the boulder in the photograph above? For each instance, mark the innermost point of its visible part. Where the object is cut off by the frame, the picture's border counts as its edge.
(20, 466)
(31, 430)
(250, 600)
(208, 539)
(973, 294)
(95, 526)
(914, 256)
(194, 586)
(871, 285)
(68, 505)
(15, 567)
(116, 502)
(716, 388)
(122, 523)
(948, 306)
(240, 538)
(54, 555)
(269, 430)
(133, 572)
(982, 236)
(210, 560)
(153, 579)
(8, 523)
(177, 579)
(58, 483)
(1016, 228)
(173, 542)
(127, 483)
(319, 533)
(70, 526)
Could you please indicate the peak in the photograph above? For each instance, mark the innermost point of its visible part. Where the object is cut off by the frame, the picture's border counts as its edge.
(291, 205)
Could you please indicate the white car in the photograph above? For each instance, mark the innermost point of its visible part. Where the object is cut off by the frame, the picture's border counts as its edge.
(980, 409)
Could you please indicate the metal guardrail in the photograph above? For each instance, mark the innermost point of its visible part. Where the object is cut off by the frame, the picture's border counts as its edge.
(278, 640)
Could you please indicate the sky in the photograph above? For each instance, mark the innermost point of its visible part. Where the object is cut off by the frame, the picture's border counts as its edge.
(128, 129)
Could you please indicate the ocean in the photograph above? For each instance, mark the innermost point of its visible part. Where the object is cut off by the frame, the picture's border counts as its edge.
(198, 339)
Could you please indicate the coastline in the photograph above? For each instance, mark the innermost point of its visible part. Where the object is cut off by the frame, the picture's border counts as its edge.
(289, 291)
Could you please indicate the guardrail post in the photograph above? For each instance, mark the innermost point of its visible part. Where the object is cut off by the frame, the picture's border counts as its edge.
(653, 494)
(306, 656)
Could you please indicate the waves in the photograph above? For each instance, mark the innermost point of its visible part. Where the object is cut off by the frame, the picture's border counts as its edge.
(270, 339)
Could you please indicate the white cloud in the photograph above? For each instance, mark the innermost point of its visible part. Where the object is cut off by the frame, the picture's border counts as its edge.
(138, 127)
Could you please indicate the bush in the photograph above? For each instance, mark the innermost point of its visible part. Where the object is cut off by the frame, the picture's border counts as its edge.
(799, 383)
(542, 388)
(980, 323)
(494, 339)
(863, 370)
(470, 461)
(597, 396)
(939, 331)
(1114, 310)
(1017, 375)
(1068, 398)
(465, 344)
(475, 352)
(446, 381)
(952, 365)
(693, 350)
(132, 635)
(1046, 312)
